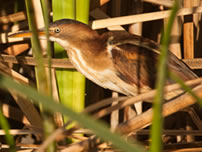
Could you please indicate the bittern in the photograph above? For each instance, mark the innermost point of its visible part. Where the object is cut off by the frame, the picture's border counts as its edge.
(119, 61)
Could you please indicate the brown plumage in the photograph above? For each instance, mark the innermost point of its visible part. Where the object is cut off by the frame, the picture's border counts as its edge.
(115, 60)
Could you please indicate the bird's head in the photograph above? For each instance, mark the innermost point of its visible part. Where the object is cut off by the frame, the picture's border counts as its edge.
(65, 32)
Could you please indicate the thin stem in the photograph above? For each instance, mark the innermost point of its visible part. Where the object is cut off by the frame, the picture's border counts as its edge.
(156, 130)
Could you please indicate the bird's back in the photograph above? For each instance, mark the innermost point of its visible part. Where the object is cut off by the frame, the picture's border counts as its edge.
(135, 59)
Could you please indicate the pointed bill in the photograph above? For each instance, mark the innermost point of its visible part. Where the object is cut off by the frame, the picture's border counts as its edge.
(26, 34)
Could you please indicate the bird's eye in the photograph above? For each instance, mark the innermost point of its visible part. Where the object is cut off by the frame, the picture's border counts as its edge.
(57, 30)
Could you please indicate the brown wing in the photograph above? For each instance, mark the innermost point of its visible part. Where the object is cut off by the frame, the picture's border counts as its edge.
(135, 59)
(135, 65)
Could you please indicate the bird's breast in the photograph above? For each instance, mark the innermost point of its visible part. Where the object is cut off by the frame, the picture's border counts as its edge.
(105, 77)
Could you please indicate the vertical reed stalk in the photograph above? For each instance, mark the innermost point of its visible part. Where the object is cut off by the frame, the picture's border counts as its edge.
(156, 129)
(45, 5)
(42, 77)
(37, 51)
(71, 84)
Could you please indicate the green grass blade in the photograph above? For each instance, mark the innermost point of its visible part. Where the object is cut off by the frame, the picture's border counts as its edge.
(85, 121)
(5, 126)
(185, 87)
(37, 51)
(156, 129)
(45, 5)
(43, 83)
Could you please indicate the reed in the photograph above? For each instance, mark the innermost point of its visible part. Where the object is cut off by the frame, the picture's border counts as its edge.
(98, 127)
(71, 84)
(157, 123)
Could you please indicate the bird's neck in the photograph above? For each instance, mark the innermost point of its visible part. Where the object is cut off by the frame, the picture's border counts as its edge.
(88, 52)
(86, 43)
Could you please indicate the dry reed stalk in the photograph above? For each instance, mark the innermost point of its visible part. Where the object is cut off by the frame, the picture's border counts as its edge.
(176, 33)
(98, 24)
(188, 32)
(194, 63)
(131, 100)
(65, 63)
(188, 42)
(167, 3)
(61, 133)
(142, 97)
(16, 49)
(85, 145)
(197, 149)
(26, 106)
(102, 2)
(56, 63)
(197, 18)
(20, 132)
(172, 132)
(183, 147)
(5, 39)
(19, 16)
(18, 26)
(114, 117)
(6, 148)
(27, 146)
(195, 117)
(103, 103)
(5, 70)
(169, 108)
(99, 14)
(16, 114)
(50, 139)
(28, 109)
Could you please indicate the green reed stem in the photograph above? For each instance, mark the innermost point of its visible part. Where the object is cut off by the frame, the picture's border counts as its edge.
(156, 129)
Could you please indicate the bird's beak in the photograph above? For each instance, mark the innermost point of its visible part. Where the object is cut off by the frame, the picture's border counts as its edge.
(27, 34)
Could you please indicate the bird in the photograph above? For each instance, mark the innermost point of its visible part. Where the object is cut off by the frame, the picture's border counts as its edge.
(115, 60)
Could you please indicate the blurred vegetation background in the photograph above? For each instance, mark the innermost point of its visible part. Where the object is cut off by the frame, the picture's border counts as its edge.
(26, 124)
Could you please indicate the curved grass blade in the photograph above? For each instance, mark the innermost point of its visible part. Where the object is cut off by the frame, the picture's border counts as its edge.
(42, 77)
(156, 129)
(5, 126)
(85, 121)
(185, 87)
